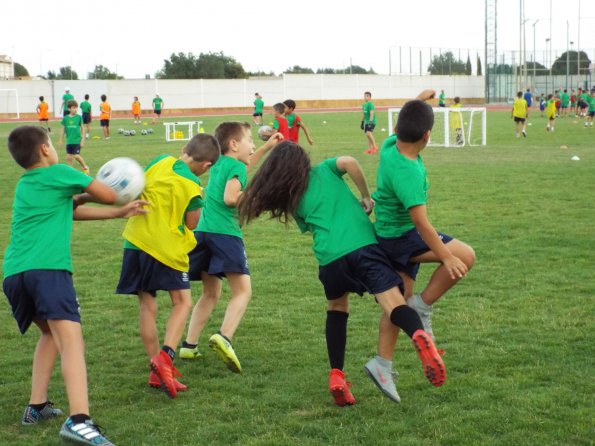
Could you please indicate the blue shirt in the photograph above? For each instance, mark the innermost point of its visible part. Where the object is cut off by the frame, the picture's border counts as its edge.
(528, 97)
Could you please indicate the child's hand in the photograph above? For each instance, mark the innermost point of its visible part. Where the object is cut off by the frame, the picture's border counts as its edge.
(361, 126)
(368, 204)
(456, 267)
(276, 138)
(133, 208)
(311, 141)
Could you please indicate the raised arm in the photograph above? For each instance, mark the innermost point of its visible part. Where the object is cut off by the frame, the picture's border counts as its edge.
(352, 167)
(103, 213)
(264, 149)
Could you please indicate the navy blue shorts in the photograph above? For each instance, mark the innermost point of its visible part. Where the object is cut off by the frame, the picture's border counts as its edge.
(157, 112)
(369, 127)
(41, 294)
(141, 272)
(365, 269)
(517, 119)
(104, 123)
(217, 254)
(400, 249)
(86, 118)
(256, 114)
(73, 149)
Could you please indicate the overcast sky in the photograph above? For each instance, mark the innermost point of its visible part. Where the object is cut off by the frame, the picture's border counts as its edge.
(134, 37)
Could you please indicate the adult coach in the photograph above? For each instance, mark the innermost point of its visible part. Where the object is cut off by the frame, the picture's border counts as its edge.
(67, 96)
(157, 108)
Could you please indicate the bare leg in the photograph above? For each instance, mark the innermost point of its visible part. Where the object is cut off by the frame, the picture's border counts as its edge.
(148, 323)
(241, 293)
(211, 292)
(181, 305)
(44, 359)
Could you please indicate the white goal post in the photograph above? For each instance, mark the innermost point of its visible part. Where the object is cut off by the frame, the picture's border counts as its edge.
(453, 127)
(9, 102)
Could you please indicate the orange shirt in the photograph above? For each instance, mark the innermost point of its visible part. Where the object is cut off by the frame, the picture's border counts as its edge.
(136, 108)
(104, 110)
(42, 110)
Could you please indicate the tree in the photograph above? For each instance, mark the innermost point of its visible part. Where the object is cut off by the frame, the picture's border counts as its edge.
(296, 69)
(205, 66)
(559, 66)
(468, 66)
(20, 70)
(479, 73)
(446, 64)
(101, 72)
(63, 73)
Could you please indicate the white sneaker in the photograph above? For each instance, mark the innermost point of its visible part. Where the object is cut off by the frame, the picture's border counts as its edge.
(425, 312)
(384, 378)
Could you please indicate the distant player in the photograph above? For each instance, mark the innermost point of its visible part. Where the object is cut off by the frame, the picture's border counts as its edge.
(564, 103)
(220, 250)
(105, 114)
(369, 122)
(441, 99)
(258, 109)
(573, 106)
(67, 96)
(520, 114)
(156, 252)
(456, 122)
(280, 124)
(158, 105)
(136, 110)
(583, 102)
(528, 97)
(86, 109)
(73, 132)
(591, 110)
(42, 113)
(295, 123)
(550, 112)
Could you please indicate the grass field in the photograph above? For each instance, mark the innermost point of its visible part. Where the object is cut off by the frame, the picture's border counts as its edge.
(518, 332)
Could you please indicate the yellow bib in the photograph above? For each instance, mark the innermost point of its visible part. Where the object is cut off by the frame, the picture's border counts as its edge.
(161, 233)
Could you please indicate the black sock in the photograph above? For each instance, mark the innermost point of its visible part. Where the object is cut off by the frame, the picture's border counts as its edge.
(79, 418)
(38, 407)
(407, 319)
(170, 351)
(187, 345)
(224, 337)
(336, 337)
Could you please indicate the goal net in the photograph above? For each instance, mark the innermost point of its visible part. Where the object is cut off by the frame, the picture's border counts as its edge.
(453, 127)
(9, 103)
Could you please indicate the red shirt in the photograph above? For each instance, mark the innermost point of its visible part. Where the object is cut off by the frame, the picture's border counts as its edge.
(281, 126)
(294, 132)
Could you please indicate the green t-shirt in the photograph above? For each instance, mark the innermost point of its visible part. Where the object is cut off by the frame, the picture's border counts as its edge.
(401, 184)
(42, 219)
(441, 99)
(157, 103)
(564, 99)
(67, 97)
(591, 102)
(258, 105)
(217, 217)
(72, 127)
(290, 120)
(333, 214)
(182, 169)
(368, 107)
(86, 107)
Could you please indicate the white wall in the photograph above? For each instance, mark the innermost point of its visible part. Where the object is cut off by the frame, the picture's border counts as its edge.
(216, 93)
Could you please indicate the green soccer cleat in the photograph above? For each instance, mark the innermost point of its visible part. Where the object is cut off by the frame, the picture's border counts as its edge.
(224, 350)
(189, 353)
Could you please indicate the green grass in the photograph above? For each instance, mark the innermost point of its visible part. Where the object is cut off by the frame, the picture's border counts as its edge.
(517, 332)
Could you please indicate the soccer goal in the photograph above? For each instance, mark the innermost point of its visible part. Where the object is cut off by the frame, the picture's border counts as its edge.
(453, 127)
(9, 103)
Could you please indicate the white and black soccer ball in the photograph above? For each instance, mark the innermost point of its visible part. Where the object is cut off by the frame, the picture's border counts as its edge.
(132, 132)
(143, 132)
(120, 131)
(126, 133)
(149, 131)
(265, 132)
(125, 176)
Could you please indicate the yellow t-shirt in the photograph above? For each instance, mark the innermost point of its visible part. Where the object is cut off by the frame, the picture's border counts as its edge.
(455, 117)
(519, 108)
(550, 109)
(159, 232)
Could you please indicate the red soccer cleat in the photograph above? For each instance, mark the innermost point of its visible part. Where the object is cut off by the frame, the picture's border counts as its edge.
(339, 388)
(164, 368)
(155, 382)
(434, 368)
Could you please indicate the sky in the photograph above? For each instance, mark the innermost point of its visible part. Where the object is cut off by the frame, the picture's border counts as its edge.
(134, 37)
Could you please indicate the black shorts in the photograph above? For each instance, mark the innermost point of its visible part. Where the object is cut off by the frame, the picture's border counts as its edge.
(86, 118)
(256, 114)
(517, 119)
(400, 249)
(591, 114)
(104, 122)
(582, 105)
(41, 294)
(73, 149)
(217, 254)
(44, 120)
(141, 272)
(66, 112)
(369, 127)
(157, 112)
(364, 270)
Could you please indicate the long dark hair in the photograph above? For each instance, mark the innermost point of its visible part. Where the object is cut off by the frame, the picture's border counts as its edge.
(279, 184)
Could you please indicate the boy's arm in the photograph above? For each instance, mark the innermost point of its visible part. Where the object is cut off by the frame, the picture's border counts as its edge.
(191, 218)
(97, 192)
(455, 266)
(100, 213)
(261, 151)
(426, 95)
(233, 192)
(351, 166)
(82, 135)
(303, 127)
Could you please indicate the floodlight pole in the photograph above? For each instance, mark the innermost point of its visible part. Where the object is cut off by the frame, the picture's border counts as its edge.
(567, 53)
(534, 52)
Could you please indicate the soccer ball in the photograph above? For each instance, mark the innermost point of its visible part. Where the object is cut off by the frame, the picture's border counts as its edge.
(126, 133)
(143, 132)
(150, 131)
(120, 131)
(132, 132)
(125, 176)
(264, 132)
